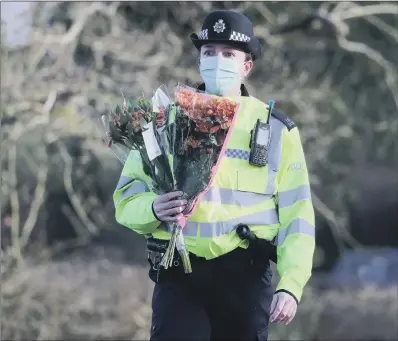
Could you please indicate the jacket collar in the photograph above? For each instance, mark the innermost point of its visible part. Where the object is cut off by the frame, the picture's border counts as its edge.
(243, 89)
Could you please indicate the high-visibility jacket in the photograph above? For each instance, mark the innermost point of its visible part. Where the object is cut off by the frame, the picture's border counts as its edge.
(274, 200)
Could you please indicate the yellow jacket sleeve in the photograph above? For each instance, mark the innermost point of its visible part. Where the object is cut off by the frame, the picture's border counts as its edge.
(296, 238)
(133, 198)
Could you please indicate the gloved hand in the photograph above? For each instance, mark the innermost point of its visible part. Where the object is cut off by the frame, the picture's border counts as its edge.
(283, 308)
(167, 208)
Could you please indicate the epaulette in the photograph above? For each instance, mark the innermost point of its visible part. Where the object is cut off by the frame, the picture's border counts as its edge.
(287, 121)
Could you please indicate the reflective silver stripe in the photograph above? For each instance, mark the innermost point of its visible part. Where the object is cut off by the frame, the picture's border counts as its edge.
(289, 197)
(275, 153)
(296, 226)
(123, 181)
(136, 187)
(216, 229)
(275, 149)
(271, 181)
(228, 196)
(237, 154)
(190, 229)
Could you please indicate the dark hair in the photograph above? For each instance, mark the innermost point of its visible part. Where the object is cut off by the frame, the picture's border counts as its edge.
(248, 56)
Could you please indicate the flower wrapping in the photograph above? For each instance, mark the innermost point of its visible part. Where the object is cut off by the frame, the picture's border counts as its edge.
(181, 143)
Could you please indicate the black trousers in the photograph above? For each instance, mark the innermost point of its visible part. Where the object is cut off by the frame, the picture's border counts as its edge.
(227, 298)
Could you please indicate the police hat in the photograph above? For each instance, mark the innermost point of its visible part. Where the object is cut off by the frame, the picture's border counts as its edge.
(230, 28)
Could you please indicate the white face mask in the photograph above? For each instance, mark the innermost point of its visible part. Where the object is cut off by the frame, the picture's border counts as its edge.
(220, 74)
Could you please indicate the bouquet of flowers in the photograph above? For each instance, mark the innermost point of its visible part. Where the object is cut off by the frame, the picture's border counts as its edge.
(181, 143)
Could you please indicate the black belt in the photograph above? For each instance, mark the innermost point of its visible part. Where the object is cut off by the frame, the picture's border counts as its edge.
(258, 247)
(259, 252)
(157, 245)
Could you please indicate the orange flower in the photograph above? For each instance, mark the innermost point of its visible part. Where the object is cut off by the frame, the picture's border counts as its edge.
(160, 118)
(191, 142)
(185, 98)
(203, 127)
(209, 114)
(138, 114)
(225, 125)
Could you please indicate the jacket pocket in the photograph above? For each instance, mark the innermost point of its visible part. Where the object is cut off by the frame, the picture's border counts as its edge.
(252, 186)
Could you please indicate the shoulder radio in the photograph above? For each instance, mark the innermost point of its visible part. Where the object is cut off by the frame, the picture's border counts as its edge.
(260, 141)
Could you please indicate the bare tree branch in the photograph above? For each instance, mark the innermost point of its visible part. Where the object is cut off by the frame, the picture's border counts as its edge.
(76, 203)
(40, 191)
(364, 11)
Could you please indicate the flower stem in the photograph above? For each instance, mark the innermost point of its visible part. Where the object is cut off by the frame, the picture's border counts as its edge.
(176, 242)
(167, 259)
(182, 250)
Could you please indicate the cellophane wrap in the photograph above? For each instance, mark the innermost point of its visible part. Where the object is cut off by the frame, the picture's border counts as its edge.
(180, 141)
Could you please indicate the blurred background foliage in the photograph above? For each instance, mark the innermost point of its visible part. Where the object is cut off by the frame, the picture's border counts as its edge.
(69, 271)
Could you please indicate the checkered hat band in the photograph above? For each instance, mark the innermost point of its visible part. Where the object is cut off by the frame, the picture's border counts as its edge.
(237, 154)
(235, 36)
(239, 37)
(204, 34)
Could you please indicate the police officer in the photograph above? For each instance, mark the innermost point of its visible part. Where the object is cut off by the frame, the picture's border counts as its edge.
(229, 295)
